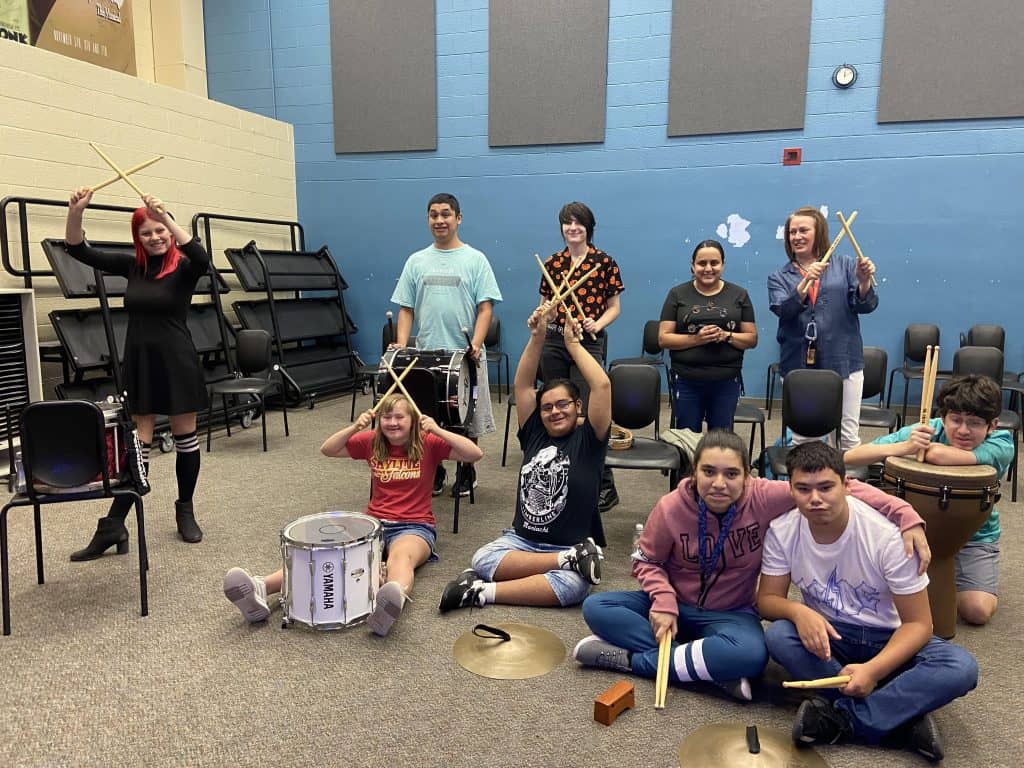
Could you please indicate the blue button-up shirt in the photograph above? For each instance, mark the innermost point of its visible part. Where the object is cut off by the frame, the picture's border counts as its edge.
(839, 346)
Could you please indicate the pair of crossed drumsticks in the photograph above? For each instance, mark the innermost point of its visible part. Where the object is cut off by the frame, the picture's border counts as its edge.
(566, 290)
(847, 232)
(397, 383)
(123, 174)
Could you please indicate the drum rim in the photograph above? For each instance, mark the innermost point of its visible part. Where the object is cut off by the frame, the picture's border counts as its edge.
(294, 544)
(955, 492)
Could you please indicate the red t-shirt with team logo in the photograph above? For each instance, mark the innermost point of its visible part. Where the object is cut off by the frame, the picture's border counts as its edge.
(399, 488)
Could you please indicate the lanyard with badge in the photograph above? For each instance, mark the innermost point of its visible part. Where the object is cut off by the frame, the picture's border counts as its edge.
(811, 331)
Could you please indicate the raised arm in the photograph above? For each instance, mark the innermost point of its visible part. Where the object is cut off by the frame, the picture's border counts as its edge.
(525, 384)
(79, 201)
(462, 448)
(599, 406)
(335, 446)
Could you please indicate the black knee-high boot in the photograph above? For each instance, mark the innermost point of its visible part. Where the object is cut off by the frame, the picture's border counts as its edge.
(110, 530)
(187, 470)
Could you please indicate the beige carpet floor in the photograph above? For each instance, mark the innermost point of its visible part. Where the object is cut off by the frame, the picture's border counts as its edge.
(87, 682)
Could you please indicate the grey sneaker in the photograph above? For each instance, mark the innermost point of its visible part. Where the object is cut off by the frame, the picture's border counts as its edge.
(248, 593)
(585, 558)
(592, 651)
(463, 592)
(387, 608)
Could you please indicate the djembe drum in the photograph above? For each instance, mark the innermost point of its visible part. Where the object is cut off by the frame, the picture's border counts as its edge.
(954, 502)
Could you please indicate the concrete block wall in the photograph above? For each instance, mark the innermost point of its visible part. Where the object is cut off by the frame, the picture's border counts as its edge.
(938, 201)
(217, 158)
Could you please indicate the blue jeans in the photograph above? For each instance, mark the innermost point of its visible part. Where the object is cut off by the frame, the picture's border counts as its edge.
(938, 673)
(723, 645)
(694, 401)
(569, 587)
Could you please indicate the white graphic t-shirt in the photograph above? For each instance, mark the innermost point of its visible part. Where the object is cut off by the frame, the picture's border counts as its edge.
(852, 580)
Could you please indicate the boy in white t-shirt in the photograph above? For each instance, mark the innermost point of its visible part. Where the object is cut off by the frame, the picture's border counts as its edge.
(865, 614)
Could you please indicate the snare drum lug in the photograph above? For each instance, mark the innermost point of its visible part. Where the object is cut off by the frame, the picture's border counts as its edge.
(901, 488)
(944, 494)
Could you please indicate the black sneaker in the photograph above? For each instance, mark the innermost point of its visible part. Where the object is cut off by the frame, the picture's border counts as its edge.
(926, 740)
(440, 476)
(818, 722)
(607, 498)
(465, 479)
(585, 558)
(461, 593)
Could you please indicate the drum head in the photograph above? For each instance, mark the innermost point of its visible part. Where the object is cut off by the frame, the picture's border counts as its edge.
(330, 529)
(466, 381)
(918, 473)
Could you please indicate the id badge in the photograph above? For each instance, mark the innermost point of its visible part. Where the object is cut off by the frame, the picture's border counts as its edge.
(810, 357)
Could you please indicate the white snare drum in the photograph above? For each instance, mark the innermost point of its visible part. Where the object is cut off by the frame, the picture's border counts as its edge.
(332, 565)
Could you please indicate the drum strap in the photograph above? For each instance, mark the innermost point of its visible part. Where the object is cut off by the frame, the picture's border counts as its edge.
(486, 631)
(136, 465)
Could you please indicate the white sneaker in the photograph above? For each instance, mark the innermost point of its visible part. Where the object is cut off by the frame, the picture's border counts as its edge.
(248, 593)
(387, 608)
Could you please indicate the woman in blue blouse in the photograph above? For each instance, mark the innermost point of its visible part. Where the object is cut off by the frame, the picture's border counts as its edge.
(818, 307)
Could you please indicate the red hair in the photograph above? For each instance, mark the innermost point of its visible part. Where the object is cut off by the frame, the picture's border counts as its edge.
(171, 258)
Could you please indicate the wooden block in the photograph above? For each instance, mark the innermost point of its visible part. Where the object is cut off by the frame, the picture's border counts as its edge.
(610, 704)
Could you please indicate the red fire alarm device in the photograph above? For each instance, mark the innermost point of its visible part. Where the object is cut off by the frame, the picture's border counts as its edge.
(791, 156)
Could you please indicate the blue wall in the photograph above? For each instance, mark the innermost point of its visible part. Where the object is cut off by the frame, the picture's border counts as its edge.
(939, 203)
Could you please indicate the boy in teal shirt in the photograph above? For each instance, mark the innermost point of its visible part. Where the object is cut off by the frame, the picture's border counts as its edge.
(964, 433)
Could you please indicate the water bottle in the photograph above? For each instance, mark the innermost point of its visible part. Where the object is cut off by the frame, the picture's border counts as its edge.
(637, 530)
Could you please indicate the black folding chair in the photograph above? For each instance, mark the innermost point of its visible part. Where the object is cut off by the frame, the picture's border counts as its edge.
(64, 455)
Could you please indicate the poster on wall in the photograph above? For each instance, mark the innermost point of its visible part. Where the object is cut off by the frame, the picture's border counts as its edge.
(97, 31)
(14, 21)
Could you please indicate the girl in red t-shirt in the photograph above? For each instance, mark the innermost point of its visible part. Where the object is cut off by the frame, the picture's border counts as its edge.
(402, 453)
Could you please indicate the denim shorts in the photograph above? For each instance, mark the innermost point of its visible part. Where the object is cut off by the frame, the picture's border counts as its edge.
(977, 567)
(392, 530)
(569, 587)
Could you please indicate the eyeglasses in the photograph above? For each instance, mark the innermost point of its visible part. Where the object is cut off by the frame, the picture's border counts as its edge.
(973, 423)
(562, 405)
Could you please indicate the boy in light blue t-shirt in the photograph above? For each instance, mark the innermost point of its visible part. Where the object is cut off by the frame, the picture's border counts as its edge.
(964, 433)
(449, 290)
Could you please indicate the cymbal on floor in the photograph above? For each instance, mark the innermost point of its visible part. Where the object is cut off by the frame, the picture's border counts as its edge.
(509, 651)
(729, 745)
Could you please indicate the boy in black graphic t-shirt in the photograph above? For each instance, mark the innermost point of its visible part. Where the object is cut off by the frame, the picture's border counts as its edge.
(551, 555)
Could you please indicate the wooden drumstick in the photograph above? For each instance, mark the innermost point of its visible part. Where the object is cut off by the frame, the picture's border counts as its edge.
(551, 284)
(570, 291)
(928, 375)
(128, 172)
(828, 254)
(661, 681)
(397, 383)
(121, 173)
(853, 240)
(579, 307)
(824, 682)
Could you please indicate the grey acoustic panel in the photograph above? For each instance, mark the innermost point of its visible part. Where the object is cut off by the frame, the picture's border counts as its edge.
(548, 71)
(738, 66)
(383, 72)
(949, 59)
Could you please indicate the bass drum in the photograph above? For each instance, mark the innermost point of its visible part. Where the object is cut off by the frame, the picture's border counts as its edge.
(443, 384)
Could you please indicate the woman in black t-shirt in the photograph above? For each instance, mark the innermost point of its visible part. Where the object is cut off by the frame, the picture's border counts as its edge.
(706, 324)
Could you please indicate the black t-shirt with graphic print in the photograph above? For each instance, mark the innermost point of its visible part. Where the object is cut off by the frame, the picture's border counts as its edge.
(556, 501)
(690, 310)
